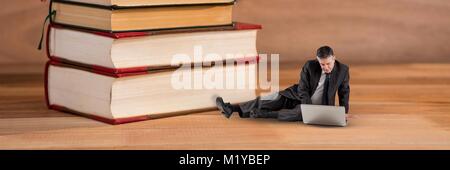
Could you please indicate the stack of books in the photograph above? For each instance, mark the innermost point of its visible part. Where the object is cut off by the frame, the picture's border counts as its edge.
(121, 61)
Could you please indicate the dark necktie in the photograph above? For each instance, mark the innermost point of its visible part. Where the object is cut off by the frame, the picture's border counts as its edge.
(325, 90)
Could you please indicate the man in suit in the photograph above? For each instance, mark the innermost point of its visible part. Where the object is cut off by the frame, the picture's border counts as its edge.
(320, 80)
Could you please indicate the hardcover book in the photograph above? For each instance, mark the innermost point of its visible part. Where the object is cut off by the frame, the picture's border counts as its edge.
(130, 97)
(139, 51)
(149, 16)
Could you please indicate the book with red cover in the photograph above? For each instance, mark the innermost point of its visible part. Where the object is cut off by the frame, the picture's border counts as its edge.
(237, 26)
(115, 121)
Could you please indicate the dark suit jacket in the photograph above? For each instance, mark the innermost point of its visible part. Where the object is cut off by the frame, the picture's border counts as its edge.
(309, 80)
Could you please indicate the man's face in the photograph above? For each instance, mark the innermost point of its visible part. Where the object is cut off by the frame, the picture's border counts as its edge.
(327, 64)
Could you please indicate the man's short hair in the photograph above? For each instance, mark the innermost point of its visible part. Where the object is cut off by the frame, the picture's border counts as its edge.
(324, 52)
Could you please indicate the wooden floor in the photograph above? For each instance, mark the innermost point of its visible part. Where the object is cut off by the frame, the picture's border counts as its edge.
(393, 107)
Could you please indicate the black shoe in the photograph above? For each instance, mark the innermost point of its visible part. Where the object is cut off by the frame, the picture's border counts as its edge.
(225, 108)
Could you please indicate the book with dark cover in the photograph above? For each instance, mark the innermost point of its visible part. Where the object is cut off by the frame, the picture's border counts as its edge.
(115, 18)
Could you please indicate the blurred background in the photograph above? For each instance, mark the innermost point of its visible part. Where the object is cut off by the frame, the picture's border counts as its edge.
(360, 31)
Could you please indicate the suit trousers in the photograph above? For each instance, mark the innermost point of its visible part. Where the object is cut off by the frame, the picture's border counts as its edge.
(274, 106)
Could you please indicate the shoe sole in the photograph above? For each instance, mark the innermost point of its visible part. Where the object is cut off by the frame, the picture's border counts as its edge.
(220, 104)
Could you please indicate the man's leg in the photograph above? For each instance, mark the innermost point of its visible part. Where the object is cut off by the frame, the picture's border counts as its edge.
(293, 114)
(246, 109)
(290, 111)
(262, 106)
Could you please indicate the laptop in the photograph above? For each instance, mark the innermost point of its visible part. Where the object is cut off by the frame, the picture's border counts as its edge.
(324, 115)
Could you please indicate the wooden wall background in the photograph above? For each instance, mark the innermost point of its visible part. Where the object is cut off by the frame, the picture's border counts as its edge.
(361, 31)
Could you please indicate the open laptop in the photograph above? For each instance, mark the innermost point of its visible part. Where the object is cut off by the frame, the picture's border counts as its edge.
(324, 115)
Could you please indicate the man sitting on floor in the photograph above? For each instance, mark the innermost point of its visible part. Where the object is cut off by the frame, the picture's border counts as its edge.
(319, 81)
